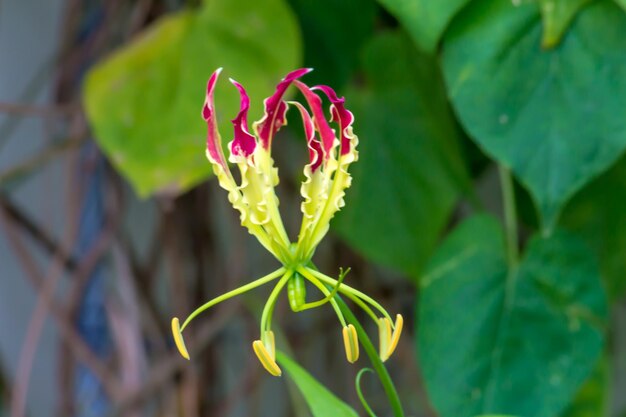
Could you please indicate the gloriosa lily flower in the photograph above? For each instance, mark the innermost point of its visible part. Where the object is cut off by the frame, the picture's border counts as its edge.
(326, 179)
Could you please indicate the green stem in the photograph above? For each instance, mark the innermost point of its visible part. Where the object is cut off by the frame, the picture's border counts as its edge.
(357, 385)
(266, 316)
(233, 293)
(333, 302)
(510, 214)
(346, 289)
(370, 350)
(329, 295)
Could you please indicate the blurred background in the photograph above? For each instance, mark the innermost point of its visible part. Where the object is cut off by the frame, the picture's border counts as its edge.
(110, 223)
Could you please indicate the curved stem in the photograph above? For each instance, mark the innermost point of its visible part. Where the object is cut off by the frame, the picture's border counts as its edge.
(377, 364)
(510, 214)
(372, 353)
(346, 289)
(324, 291)
(233, 293)
(357, 385)
(363, 306)
(266, 317)
(329, 295)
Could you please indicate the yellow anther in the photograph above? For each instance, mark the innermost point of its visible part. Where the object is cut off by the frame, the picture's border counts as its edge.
(351, 343)
(384, 337)
(395, 337)
(178, 338)
(266, 359)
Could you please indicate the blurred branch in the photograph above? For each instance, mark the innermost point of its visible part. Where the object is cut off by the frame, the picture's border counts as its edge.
(37, 111)
(74, 341)
(33, 87)
(34, 231)
(45, 286)
(166, 368)
(25, 168)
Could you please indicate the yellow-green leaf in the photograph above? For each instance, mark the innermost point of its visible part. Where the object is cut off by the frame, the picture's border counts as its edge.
(144, 100)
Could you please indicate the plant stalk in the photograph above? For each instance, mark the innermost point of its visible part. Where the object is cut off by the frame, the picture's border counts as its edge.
(510, 215)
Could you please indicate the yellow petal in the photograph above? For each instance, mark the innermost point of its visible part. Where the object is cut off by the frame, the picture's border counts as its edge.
(384, 337)
(395, 337)
(351, 343)
(265, 358)
(178, 338)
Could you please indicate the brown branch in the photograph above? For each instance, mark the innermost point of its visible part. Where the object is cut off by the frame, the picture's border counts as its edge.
(37, 111)
(16, 216)
(166, 368)
(35, 162)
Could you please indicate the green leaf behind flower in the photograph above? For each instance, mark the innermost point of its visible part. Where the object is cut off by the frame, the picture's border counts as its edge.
(593, 398)
(517, 341)
(597, 215)
(322, 402)
(410, 172)
(425, 20)
(144, 101)
(555, 117)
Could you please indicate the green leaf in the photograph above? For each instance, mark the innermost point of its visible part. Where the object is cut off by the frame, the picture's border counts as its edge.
(621, 3)
(333, 37)
(554, 117)
(597, 215)
(495, 415)
(592, 399)
(409, 172)
(425, 20)
(511, 341)
(322, 402)
(144, 101)
(557, 15)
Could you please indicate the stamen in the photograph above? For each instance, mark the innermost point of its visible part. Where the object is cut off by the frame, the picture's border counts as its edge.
(346, 289)
(233, 293)
(265, 358)
(351, 343)
(178, 338)
(384, 337)
(395, 337)
(270, 343)
(306, 272)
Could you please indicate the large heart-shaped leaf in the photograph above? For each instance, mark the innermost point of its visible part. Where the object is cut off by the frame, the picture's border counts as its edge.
(321, 401)
(144, 100)
(409, 171)
(556, 117)
(425, 20)
(520, 341)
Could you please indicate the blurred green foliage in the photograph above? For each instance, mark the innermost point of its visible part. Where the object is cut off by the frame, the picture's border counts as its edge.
(548, 115)
(498, 338)
(144, 101)
(321, 401)
(409, 157)
(539, 87)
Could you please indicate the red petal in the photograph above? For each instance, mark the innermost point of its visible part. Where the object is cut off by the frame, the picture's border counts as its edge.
(340, 115)
(314, 145)
(321, 125)
(214, 142)
(243, 143)
(275, 109)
